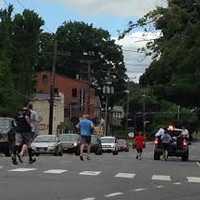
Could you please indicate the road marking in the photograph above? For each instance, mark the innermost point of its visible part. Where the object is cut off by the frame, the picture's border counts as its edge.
(125, 175)
(160, 186)
(90, 173)
(198, 164)
(193, 179)
(177, 183)
(139, 189)
(161, 178)
(22, 169)
(114, 194)
(90, 198)
(55, 171)
(1, 167)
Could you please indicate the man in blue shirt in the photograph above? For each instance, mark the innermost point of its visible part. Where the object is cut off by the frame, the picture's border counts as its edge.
(86, 128)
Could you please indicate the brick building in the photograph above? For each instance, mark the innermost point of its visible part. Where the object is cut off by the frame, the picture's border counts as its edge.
(79, 97)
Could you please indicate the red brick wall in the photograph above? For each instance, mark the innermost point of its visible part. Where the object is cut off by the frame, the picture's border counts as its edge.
(65, 85)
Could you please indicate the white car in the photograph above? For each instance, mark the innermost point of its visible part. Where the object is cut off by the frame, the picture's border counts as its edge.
(47, 144)
(109, 143)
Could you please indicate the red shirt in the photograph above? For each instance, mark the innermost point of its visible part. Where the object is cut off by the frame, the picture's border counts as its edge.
(139, 142)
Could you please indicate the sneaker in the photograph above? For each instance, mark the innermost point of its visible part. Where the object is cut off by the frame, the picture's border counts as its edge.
(88, 158)
(81, 157)
(20, 158)
(31, 161)
(14, 161)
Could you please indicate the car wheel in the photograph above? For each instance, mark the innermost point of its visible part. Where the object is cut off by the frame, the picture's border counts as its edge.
(98, 151)
(77, 151)
(185, 157)
(115, 152)
(156, 156)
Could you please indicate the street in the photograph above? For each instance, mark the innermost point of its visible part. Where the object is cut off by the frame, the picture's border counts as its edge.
(102, 177)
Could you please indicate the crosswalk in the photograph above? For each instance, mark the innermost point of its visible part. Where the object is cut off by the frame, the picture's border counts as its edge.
(120, 175)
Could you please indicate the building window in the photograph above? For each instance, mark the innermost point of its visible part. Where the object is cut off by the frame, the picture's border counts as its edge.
(44, 78)
(74, 92)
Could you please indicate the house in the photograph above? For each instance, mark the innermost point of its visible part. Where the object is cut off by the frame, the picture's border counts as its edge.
(41, 104)
(79, 96)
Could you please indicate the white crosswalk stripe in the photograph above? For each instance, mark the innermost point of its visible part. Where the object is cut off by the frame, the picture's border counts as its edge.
(139, 189)
(90, 198)
(161, 178)
(22, 169)
(114, 194)
(90, 173)
(55, 171)
(193, 179)
(125, 175)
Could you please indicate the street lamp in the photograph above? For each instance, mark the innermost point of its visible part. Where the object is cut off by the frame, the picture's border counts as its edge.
(108, 89)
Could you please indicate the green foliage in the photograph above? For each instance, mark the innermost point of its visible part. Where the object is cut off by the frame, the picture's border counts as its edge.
(176, 53)
(80, 43)
(19, 37)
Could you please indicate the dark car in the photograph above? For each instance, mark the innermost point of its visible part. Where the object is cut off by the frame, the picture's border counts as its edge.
(69, 142)
(96, 146)
(178, 147)
(6, 134)
(123, 145)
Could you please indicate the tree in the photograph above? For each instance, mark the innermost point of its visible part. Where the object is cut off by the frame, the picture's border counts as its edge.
(81, 45)
(175, 66)
(25, 40)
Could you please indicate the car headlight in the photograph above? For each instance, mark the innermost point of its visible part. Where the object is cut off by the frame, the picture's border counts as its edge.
(75, 144)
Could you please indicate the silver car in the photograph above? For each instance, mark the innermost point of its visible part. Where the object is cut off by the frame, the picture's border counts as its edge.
(69, 142)
(47, 144)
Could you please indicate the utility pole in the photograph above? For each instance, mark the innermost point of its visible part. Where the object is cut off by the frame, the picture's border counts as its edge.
(52, 87)
(127, 107)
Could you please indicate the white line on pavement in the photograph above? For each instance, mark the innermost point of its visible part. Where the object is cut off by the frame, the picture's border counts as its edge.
(139, 189)
(90, 198)
(193, 179)
(160, 186)
(198, 164)
(177, 183)
(55, 171)
(161, 178)
(22, 169)
(90, 173)
(114, 194)
(124, 175)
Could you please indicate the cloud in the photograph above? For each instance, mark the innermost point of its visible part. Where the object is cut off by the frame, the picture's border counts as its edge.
(124, 8)
(136, 62)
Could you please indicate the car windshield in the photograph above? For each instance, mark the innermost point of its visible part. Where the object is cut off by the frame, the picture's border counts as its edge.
(4, 124)
(107, 140)
(69, 137)
(45, 138)
(122, 142)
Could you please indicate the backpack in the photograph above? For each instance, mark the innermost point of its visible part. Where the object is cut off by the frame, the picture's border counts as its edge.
(22, 124)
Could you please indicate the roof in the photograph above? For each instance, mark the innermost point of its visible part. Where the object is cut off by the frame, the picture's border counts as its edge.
(66, 77)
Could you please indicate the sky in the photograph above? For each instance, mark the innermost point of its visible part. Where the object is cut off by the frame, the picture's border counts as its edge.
(111, 15)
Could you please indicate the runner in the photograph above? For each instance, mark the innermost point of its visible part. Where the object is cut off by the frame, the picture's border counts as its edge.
(86, 128)
(23, 135)
(139, 145)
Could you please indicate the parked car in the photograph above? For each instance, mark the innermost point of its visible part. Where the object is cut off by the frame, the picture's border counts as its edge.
(109, 144)
(69, 142)
(6, 131)
(123, 145)
(47, 144)
(96, 146)
(179, 146)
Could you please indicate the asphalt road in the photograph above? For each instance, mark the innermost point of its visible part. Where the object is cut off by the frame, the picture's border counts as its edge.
(103, 177)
